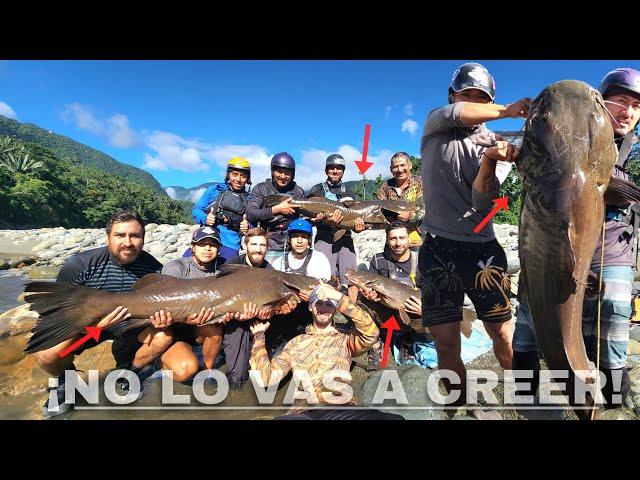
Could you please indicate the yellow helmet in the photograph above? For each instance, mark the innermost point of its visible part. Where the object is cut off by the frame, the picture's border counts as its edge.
(239, 163)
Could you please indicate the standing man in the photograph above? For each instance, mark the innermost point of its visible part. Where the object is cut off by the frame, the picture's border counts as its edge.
(405, 186)
(460, 179)
(620, 90)
(224, 205)
(275, 219)
(115, 268)
(341, 254)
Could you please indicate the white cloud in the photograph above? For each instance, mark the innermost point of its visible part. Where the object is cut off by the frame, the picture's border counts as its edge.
(410, 126)
(7, 111)
(196, 194)
(172, 152)
(310, 168)
(120, 133)
(171, 192)
(84, 119)
(408, 109)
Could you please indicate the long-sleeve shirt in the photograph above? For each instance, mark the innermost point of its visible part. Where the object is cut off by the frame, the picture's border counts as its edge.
(259, 212)
(316, 353)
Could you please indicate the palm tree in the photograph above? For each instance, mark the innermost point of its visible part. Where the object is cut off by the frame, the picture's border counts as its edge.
(491, 275)
(16, 158)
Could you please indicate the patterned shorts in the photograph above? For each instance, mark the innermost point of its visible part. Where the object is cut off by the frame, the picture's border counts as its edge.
(450, 268)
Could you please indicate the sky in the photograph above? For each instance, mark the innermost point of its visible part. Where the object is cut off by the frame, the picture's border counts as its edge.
(183, 120)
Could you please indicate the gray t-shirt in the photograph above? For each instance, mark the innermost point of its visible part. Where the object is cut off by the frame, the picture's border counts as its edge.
(450, 163)
(186, 268)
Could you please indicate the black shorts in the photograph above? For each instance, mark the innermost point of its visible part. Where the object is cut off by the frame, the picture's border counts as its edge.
(450, 268)
(124, 346)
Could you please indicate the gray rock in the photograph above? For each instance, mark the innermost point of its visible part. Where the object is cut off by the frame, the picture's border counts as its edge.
(44, 245)
(43, 272)
(171, 239)
(149, 227)
(48, 255)
(16, 321)
(414, 384)
(4, 265)
(513, 264)
(21, 262)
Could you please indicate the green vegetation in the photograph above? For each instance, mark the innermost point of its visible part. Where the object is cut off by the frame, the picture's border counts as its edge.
(50, 191)
(64, 147)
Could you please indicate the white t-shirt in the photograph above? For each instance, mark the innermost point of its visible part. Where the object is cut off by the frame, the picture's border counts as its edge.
(318, 266)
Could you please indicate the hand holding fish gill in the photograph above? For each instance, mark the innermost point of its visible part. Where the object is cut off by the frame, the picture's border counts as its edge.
(519, 109)
(284, 208)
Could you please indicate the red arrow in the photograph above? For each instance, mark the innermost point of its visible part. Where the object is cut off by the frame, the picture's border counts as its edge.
(390, 325)
(502, 203)
(363, 165)
(92, 332)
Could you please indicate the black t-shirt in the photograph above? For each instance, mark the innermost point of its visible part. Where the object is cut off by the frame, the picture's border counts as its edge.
(242, 260)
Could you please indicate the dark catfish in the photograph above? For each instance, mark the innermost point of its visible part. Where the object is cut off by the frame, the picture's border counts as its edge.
(566, 161)
(65, 309)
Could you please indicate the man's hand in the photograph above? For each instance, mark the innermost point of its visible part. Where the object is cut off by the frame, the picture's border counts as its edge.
(120, 313)
(593, 285)
(413, 305)
(335, 218)
(519, 109)
(161, 319)
(211, 219)
(244, 225)
(284, 208)
(304, 294)
(327, 292)
(318, 218)
(250, 311)
(405, 216)
(266, 312)
(287, 307)
(502, 151)
(258, 327)
(370, 294)
(205, 315)
(359, 225)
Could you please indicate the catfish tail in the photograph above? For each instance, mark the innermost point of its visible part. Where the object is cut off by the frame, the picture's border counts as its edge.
(63, 311)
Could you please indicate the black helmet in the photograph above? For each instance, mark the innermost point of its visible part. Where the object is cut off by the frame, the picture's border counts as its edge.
(206, 232)
(335, 159)
(473, 75)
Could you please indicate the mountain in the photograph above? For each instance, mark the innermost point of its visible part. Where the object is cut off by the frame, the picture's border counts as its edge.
(66, 147)
(187, 194)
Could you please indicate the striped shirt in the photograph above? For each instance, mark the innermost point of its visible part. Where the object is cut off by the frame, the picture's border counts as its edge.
(97, 268)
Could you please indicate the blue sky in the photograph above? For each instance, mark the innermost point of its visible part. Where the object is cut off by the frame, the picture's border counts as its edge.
(182, 120)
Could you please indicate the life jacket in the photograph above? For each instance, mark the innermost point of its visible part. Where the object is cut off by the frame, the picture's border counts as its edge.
(631, 215)
(329, 194)
(395, 272)
(230, 204)
(303, 268)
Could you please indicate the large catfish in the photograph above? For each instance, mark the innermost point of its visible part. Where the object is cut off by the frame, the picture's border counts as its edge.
(567, 159)
(375, 213)
(65, 309)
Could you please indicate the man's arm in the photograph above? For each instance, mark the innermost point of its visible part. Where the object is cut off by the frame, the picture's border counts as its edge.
(366, 333)
(472, 114)
(272, 371)
(199, 209)
(255, 212)
(486, 185)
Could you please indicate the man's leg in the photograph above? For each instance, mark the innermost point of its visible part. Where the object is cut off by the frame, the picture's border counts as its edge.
(615, 312)
(447, 340)
(501, 334)
(210, 337)
(525, 351)
(49, 360)
(180, 359)
(154, 342)
(236, 344)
